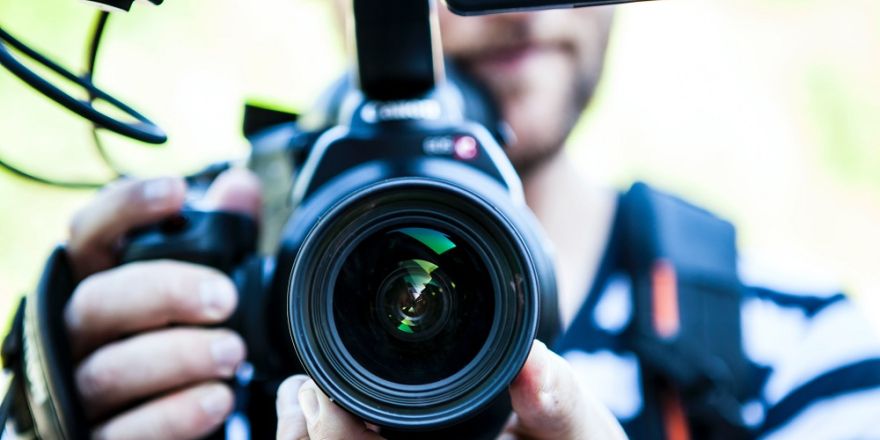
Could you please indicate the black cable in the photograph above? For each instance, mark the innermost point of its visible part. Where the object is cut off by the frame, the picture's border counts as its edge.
(89, 74)
(85, 82)
(88, 86)
(48, 181)
(95, 42)
(141, 128)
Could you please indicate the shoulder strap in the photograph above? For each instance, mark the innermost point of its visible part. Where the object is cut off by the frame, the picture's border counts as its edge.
(42, 399)
(686, 322)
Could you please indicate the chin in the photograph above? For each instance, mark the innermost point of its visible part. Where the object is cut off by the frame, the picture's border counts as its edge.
(525, 157)
(541, 127)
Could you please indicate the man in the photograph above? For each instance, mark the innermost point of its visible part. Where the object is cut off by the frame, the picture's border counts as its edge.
(140, 377)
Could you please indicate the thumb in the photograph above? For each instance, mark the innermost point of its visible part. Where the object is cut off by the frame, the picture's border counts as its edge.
(550, 403)
(304, 411)
(291, 421)
(236, 190)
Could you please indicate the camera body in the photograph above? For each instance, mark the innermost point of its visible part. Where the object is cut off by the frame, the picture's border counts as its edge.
(409, 282)
(412, 188)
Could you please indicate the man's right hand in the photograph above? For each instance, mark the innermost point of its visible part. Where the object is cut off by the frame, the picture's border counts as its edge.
(147, 365)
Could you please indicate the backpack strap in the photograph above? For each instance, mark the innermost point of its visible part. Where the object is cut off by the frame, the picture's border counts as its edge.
(686, 327)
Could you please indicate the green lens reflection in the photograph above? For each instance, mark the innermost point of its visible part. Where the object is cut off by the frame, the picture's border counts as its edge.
(436, 241)
(414, 304)
(418, 274)
(415, 298)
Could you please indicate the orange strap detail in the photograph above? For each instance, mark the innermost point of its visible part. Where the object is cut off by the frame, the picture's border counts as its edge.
(664, 289)
(674, 420)
(667, 323)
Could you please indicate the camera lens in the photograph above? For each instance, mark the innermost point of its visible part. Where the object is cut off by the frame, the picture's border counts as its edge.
(411, 304)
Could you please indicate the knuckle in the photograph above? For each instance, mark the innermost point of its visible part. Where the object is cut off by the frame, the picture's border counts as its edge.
(551, 407)
(97, 377)
(553, 413)
(190, 290)
(209, 353)
(171, 282)
(557, 397)
(84, 301)
(208, 409)
(315, 426)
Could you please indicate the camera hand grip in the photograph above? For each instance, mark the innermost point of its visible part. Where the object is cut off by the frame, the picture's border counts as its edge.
(227, 242)
(217, 239)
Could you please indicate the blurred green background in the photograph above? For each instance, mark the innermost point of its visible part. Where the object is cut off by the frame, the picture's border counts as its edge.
(765, 111)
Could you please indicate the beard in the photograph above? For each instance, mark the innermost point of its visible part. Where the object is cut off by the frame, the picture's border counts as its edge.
(542, 73)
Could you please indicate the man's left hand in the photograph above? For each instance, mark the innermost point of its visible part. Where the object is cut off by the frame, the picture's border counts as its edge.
(548, 403)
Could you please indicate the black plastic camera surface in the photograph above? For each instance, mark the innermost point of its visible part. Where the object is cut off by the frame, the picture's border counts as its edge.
(410, 281)
(474, 7)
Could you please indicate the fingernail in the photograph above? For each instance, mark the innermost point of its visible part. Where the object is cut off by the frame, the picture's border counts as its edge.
(308, 400)
(539, 353)
(228, 352)
(537, 366)
(157, 189)
(215, 402)
(545, 390)
(218, 298)
(288, 395)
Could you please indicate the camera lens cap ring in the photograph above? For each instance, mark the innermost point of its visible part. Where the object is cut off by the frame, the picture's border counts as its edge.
(142, 129)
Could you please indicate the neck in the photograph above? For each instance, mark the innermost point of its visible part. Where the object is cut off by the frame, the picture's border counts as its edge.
(577, 216)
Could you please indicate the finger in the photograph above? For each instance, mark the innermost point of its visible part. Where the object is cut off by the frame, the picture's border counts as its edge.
(550, 403)
(151, 363)
(291, 421)
(97, 228)
(237, 190)
(143, 296)
(122, 206)
(187, 414)
(326, 420)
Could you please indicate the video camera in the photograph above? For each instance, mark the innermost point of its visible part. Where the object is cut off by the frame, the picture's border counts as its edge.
(409, 281)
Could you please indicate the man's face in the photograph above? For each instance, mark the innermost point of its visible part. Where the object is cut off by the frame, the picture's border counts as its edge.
(541, 68)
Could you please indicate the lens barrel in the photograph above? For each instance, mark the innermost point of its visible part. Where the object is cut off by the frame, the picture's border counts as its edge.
(413, 303)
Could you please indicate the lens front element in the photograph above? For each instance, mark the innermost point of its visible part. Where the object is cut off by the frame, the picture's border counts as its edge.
(414, 300)
(413, 304)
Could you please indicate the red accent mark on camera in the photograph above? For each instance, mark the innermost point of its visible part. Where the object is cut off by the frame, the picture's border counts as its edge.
(465, 148)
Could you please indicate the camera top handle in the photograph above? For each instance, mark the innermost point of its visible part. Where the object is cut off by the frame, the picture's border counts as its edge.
(397, 53)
